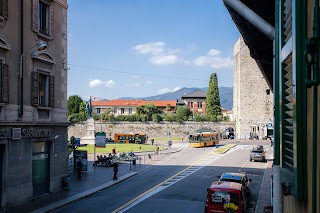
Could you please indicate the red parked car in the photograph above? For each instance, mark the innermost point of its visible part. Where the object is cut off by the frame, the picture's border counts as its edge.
(226, 197)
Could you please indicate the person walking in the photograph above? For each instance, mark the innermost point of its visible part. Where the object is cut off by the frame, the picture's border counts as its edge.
(152, 141)
(79, 168)
(115, 171)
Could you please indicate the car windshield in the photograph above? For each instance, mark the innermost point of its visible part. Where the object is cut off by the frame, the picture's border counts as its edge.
(257, 151)
(218, 197)
(230, 180)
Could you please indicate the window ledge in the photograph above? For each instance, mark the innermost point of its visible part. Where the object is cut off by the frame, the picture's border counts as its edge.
(44, 108)
(44, 36)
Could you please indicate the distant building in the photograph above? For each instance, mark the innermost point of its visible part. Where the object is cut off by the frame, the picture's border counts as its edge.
(196, 101)
(33, 99)
(252, 106)
(129, 107)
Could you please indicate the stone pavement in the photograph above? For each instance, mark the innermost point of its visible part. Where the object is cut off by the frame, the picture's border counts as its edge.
(264, 200)
(99, 178)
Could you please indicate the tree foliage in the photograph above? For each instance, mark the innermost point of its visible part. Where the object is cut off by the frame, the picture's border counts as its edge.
(74, 102)
(146, 111)
(213, 106)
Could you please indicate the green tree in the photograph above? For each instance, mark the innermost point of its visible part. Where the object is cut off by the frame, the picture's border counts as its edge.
(146, 111)
(182, 113)
(213, 106)
(74, 102)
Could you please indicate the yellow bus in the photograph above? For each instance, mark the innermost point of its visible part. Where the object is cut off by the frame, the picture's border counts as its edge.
(203, 139)
(136, 138)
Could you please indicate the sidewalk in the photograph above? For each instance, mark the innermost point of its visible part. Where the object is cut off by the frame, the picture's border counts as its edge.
(265, 190)
(93, 180)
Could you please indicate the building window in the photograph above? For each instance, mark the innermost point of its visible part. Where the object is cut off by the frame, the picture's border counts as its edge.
(42, 89)
(130, 111)
(115, 110)
(199, 104)
(4, 72)
(43, 18)
(4, 8)
(98, 110)
(122, 111)
(0, 80)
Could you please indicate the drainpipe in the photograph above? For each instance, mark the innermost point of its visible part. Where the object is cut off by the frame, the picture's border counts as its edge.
(252, 17)
(20, 89)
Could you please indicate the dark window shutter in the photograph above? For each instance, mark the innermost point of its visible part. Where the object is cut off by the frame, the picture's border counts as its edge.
(5, 88)
(51, 20)
(35, 15)
(35, 88)
(51, 91)
(5, 8)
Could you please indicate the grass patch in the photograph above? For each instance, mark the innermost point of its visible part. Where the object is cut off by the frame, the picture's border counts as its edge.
(230, 145)
(165, 139)
(121, 148)
(222, 150)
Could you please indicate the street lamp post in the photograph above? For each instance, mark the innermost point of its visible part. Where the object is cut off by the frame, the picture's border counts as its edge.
(40, 46)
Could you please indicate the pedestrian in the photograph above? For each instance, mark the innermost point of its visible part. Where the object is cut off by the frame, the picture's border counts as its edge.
(79, 168)
(157, 149)
(115, 171)
(152, 141)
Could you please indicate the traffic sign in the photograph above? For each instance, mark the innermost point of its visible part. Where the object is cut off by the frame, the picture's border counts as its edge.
(101, 139)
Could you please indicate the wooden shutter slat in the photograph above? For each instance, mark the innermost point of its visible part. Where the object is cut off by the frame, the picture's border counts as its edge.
(51, 21)
(35, 15)
(5, 83)
(51, 91)
(5, 9)
(35, 88)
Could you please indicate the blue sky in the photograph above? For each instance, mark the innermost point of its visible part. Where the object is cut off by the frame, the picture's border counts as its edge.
(140, 48)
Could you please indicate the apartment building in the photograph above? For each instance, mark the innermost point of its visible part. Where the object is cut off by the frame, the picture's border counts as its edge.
(33, 99)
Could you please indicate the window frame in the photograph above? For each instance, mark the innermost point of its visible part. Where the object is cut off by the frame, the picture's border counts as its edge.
(46, 92)
(1, 62)
(45, 5)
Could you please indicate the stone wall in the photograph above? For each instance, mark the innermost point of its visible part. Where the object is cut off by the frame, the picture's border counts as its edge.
(251, 104)
(153, 130)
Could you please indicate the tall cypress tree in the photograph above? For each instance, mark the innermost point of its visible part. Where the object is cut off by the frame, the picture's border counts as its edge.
(213, 106)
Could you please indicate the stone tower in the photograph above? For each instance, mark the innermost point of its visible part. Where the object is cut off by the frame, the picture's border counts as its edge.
(252, 106)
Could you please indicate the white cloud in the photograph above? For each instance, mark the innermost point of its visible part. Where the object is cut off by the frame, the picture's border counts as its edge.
(160, 54)
(164, 90)
(110, 83)
(213, 60)
(154, 48)
(214, 52)
(97, 82)
(176, 89)
(164, 59)
(167, 90)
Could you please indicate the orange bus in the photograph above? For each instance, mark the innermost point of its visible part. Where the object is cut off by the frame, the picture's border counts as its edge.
(203, 139)
(136, 138)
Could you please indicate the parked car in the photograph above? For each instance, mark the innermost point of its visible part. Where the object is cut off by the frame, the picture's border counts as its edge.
(223, 196)
(258, 154)
(237, 178)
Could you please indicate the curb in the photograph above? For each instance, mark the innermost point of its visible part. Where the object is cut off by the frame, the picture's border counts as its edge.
(82, 195)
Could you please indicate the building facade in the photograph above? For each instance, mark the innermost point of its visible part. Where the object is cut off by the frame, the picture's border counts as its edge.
(196, 102)
(252, 105)
(286, 46)
(33, 99)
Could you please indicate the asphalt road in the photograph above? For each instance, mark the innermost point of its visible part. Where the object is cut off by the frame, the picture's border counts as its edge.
(176, 184)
